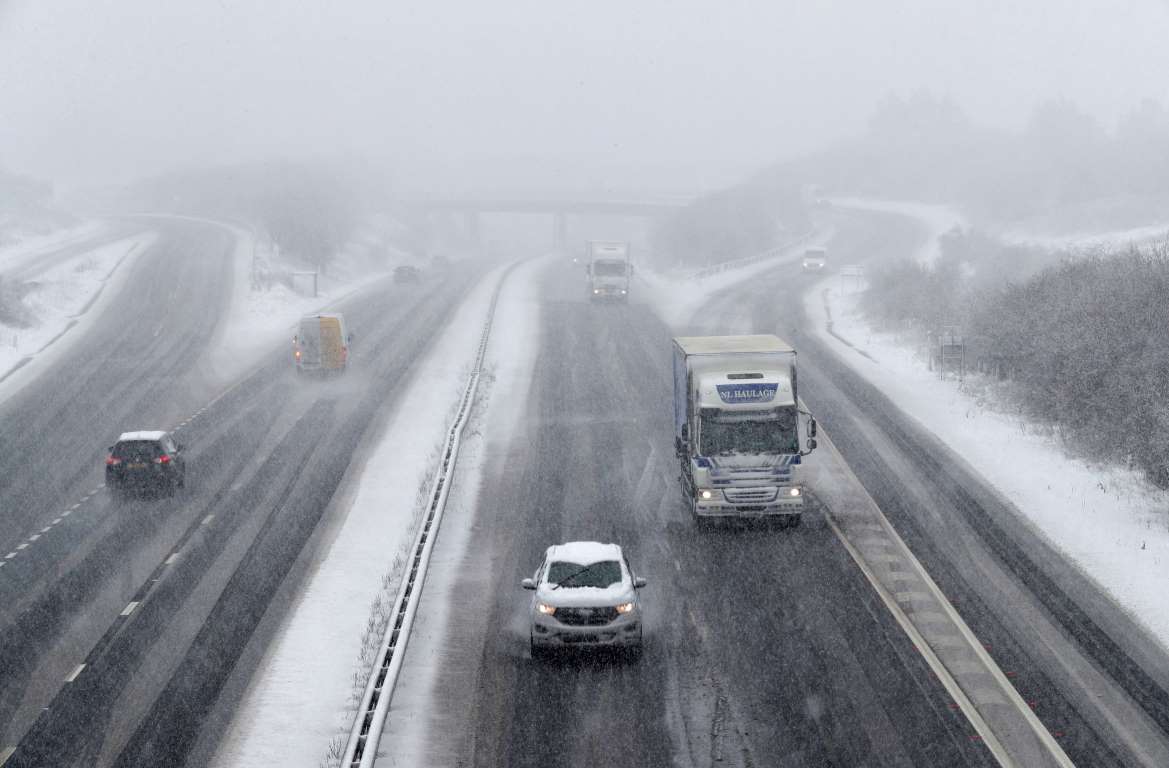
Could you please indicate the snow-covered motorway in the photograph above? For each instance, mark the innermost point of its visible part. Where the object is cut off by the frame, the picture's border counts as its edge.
(122, 625)
(765, 647)
(119, 622)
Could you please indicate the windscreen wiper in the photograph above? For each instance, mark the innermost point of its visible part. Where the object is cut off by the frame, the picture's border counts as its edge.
(574, 574)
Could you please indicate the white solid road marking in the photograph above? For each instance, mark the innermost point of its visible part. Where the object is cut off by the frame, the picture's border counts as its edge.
(7, 753)
(130, 608)
(73, 675)
(173, 556)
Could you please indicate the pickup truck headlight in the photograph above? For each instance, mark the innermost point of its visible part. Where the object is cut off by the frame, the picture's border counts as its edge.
(793, 491)
(625, 608)
(546, 609)
(704, 494)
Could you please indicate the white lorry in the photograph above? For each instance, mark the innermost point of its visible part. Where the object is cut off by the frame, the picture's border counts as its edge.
(608, 269)
(738, 430)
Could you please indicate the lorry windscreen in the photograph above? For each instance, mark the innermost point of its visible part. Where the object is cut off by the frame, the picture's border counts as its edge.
(723, 434)
(609, 268)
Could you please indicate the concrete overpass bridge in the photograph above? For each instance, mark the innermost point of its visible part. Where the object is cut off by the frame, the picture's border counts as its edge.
(472, 210)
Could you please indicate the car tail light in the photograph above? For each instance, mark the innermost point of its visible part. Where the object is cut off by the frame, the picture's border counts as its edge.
(297, 353)
(163, 459)
(112, 461)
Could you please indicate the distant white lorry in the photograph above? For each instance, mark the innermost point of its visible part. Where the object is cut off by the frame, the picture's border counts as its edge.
(608, 269)
(815, 259)
(738, 430)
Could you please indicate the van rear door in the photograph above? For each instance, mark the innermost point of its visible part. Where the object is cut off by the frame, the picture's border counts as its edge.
(332, 343)
(308, 343)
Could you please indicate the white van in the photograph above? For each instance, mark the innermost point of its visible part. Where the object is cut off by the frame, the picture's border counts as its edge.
(321, 344)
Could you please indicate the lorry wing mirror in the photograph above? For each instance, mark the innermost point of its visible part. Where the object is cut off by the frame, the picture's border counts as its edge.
(812, 428)
(811, 444)
(528, 584)
(639, 582)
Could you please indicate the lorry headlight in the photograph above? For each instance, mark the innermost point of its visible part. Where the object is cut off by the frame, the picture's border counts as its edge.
(705, 494)
(596, 290)
(546, 609)
(793, 491)
(623, 291)
(625, 608)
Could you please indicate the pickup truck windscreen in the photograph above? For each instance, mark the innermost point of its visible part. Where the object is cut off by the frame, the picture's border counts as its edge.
(727, 434)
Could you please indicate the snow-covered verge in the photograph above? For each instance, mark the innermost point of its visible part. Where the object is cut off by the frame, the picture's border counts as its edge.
(18, 250)
(1109, 521)
(676, 297)
(937, 219)
(62, 298)
(265, 306)
(302, 696)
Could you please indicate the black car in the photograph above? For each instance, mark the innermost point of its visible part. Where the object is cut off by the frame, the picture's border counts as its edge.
(144, 461)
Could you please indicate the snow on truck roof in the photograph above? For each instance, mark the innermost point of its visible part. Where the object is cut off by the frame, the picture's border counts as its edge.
(141, 435)
(757, 343)
(583, 552)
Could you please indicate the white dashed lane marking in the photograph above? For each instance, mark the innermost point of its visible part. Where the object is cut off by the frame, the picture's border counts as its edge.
(34, 537)
(75, 506)
(59, 519)
(130, 608)
(207, 520)
(22, 546)
(48, 527)
(10, 555)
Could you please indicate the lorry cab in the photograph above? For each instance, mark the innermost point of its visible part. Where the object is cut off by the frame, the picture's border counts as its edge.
(608, 270)
(321, 344)
(739, 432)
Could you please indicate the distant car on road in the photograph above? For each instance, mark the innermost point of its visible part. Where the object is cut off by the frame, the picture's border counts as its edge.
(407, 273)
(586, 596)
(815, 259)
(145, 460)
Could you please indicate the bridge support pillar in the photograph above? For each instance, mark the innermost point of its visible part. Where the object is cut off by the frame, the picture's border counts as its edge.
(472, 227)
(560, 231)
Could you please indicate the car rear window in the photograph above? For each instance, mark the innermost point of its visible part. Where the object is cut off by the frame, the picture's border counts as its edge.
(601, 574)
(137, 450)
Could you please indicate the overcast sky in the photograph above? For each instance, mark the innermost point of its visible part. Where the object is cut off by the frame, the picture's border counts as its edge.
(474, 95)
